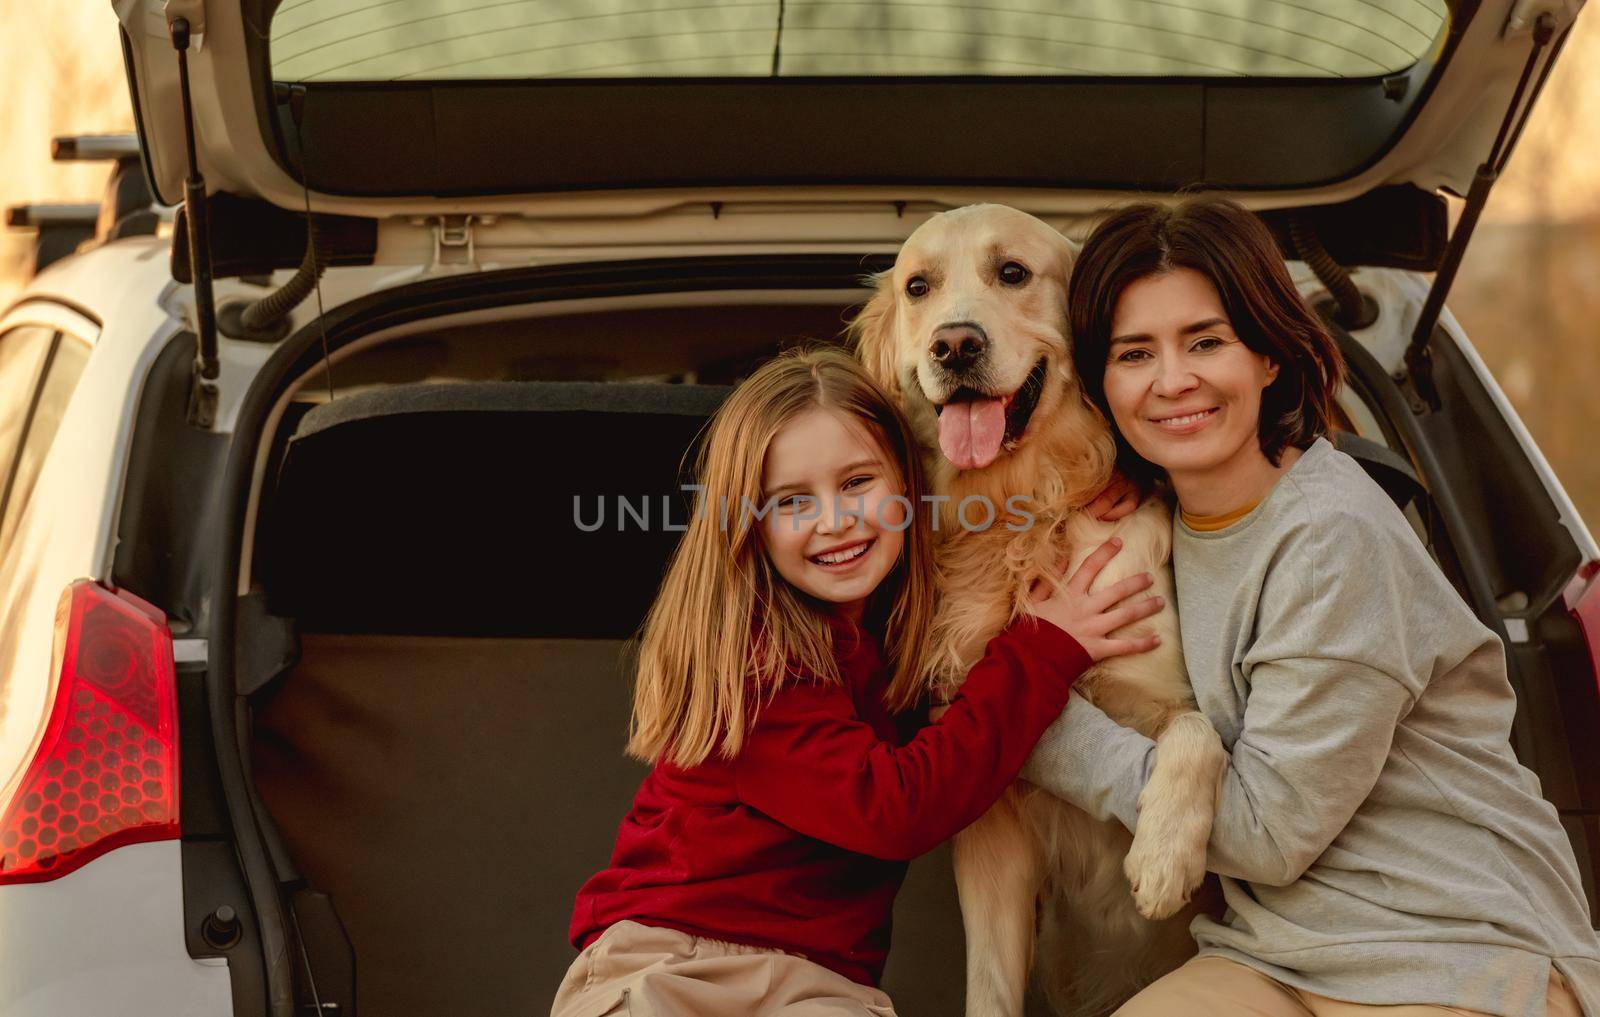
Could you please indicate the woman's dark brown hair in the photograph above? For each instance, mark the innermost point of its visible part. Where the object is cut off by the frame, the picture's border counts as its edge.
(1234, 250)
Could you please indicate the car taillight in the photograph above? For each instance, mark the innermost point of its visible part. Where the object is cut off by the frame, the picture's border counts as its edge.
(106, 772)
(1583, 600)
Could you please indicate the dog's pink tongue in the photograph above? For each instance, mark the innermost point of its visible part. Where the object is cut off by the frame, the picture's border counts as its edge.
(970, 432)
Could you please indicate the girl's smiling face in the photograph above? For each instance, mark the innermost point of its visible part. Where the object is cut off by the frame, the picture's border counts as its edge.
(838, 514)
(1185, 390)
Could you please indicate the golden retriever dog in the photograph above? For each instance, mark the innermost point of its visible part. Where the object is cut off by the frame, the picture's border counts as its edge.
(969, 330)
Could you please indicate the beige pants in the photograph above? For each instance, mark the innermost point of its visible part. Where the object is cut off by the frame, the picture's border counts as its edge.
(1218, 987)
(636, 970)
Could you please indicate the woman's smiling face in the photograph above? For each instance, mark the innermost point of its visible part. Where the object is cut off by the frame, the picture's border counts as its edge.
(1184, 388)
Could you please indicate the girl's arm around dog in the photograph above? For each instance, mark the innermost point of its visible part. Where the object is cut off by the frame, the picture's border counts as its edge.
(813, 763)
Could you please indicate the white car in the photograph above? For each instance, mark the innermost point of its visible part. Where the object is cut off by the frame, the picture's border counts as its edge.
(312, 670)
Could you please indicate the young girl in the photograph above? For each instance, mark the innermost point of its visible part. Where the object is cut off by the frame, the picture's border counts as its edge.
(757, 868)
(1381, 850)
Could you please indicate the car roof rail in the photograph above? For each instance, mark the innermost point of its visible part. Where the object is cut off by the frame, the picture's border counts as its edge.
(94, 147)
(133, 208)
(62, 228)
(127, 209)
(43, 215)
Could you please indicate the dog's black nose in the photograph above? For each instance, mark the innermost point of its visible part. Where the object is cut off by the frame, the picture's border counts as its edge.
(957, 347)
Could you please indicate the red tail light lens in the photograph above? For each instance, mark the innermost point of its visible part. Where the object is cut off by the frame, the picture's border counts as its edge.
(106, 772)
(1583, 600)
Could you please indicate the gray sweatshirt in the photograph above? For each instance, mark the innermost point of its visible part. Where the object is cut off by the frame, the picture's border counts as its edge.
(1377, 840)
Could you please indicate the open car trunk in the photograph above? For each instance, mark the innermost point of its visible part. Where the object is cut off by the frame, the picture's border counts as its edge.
(454, 569)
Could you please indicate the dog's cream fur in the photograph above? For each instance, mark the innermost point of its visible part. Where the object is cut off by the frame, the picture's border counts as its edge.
(1098, 938)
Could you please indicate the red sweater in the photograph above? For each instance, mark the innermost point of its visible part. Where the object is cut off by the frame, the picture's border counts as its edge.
(801, 842)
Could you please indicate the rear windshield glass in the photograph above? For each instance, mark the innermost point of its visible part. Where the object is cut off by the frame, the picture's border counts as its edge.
(387, 40)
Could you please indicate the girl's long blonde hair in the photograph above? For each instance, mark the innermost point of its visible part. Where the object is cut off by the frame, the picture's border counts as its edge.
(726, 627)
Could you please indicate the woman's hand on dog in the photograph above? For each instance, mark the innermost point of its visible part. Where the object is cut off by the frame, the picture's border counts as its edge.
(1090, 618)
(1120, 497)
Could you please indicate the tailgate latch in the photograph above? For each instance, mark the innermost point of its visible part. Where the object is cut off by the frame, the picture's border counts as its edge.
(455, 241)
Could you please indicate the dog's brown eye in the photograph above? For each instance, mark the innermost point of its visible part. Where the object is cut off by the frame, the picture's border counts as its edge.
(916, 286)
(1013, 274)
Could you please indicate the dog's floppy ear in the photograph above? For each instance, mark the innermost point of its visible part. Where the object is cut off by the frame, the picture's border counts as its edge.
(872, 334)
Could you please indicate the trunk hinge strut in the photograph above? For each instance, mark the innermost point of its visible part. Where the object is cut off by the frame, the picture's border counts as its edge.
(1418, 369)
(203, 388)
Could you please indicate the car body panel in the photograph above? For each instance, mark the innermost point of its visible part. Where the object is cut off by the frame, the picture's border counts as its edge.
(65, 533)
(107, 939)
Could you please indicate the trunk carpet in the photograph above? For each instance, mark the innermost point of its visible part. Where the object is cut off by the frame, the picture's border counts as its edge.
(452, 794)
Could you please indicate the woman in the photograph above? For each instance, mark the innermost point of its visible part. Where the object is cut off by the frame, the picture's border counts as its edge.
(1378, 843)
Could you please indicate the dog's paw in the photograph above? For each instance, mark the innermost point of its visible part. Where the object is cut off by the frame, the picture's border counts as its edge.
(1162, 872)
